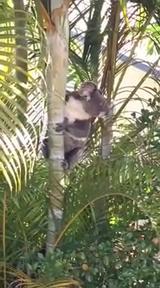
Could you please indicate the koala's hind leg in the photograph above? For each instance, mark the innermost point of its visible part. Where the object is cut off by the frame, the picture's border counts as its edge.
(73, 157)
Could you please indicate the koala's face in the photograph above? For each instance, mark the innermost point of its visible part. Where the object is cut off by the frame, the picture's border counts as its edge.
(93, 101)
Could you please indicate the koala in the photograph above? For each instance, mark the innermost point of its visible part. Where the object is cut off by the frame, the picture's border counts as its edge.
(81, 108)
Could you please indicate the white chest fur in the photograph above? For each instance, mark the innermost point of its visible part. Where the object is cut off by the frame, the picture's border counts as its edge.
(74, 110)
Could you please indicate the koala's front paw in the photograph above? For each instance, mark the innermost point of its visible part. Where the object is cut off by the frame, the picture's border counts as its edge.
(65, 165)
(59, 127)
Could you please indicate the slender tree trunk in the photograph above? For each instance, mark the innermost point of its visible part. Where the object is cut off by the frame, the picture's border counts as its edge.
(109, 73)
(21, 53)
(107, 86)
(57, 38)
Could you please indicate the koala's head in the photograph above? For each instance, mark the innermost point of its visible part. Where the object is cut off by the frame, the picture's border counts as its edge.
(92, 99)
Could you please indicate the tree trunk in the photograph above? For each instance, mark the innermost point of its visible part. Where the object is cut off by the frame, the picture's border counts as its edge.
(57, 38)
(107, 86)
(109, 73)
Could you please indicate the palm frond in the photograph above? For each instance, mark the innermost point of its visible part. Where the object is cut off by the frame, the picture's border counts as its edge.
(20, 278)
(22, 100)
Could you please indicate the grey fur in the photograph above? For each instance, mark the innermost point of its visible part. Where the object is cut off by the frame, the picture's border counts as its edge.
(81, 108)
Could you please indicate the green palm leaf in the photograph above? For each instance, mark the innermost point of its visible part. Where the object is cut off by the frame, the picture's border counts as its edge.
(21, 99)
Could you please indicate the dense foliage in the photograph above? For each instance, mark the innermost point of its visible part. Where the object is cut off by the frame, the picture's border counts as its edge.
(116, 249)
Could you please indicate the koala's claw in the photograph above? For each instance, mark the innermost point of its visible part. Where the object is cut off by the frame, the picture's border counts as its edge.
(59, 127)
